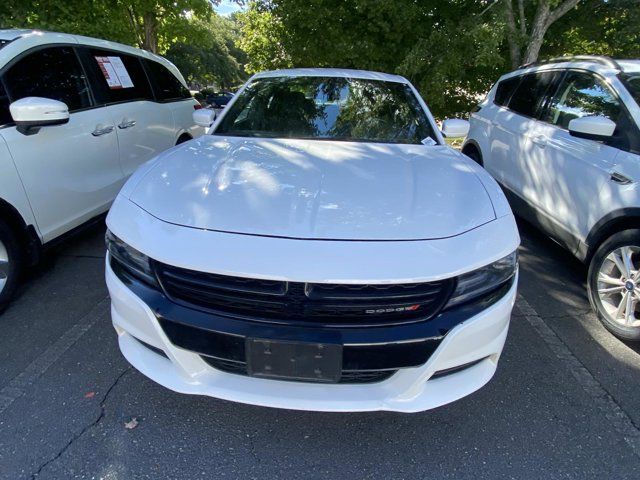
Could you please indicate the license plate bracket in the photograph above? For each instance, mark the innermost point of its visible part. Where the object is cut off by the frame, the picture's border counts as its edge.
(288, 360)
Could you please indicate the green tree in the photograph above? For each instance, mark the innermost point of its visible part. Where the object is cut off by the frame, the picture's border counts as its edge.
(597, 28)
(527, 33)
(449, 59)
(261, 38)
(95, 18)
(189, 32)
(452, 51)
(205, 57)
(149, 24)
(156, 23)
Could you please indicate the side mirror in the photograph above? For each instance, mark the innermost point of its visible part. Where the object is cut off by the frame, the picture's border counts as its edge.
(455, 128)
(592, 128)
(31, 113)
(204, 117)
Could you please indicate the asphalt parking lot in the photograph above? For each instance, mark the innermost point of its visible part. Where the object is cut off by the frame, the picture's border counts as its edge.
(565, 402)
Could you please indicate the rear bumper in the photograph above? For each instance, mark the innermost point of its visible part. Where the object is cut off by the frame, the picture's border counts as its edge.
(478, 341)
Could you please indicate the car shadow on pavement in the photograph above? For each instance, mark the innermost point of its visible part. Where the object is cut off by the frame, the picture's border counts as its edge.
(86, 243)
(556, 282)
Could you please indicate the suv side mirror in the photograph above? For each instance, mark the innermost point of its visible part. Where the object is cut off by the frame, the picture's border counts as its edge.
(31, 113)
(455, 128)
(592, 128)
(204, 117)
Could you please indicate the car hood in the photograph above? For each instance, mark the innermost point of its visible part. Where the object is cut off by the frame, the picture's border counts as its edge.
(315, 189)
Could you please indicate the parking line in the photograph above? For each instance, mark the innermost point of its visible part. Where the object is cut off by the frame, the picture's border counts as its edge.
(601, 398)
(18, 385)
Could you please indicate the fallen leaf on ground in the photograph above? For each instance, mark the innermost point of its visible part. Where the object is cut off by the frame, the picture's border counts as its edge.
(131, 424)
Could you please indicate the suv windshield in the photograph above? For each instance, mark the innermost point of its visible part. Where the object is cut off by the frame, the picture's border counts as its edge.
(327, 108)
(632, 81)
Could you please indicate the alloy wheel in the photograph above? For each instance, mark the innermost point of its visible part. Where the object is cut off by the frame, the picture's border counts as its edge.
(4, 266)
(617, 286)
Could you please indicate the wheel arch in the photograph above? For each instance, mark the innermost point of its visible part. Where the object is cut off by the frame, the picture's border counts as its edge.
(183, 136)
(613, 222)
(27, 235)
(471, 145)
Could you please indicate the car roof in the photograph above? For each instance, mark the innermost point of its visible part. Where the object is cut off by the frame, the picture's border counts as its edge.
(12, 34)
(602, 65)
(41, 37)
(629, 66)
(332, 72)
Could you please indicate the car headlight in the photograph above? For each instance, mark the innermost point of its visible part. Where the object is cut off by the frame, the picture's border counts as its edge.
(479, 282)
(134, 262)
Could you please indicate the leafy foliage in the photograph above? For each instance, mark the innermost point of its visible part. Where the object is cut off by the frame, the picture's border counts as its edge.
(452, 51)
(261, 34)
(205, 57)
(94, 18)
(200, 42)
(598, 28)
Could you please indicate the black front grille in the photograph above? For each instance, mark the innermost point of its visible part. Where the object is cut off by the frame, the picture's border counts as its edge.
(281, 301)
(348, 376)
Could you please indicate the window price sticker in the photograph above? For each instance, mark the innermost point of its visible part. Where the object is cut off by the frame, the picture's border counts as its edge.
(115, 73)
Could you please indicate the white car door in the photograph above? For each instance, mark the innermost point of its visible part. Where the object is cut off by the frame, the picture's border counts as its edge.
(511, 123)
(70, 172)
(565, 173)
(621, 191)
(144, 126)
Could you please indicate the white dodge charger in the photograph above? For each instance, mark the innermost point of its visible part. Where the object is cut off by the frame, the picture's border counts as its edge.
(321, 249)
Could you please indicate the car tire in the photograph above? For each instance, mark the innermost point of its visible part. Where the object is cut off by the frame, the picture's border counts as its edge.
(614, 284)
(10, 264)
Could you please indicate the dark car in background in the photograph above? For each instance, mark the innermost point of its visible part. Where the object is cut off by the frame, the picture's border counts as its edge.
(219, 100)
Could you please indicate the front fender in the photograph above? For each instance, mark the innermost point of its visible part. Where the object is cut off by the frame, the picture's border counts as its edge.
(11, 188)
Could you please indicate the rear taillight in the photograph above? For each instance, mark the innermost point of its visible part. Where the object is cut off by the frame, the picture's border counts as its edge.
(197, 106)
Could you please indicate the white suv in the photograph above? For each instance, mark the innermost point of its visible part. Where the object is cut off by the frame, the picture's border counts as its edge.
(322, 249)
(77, 117)
(562, 139)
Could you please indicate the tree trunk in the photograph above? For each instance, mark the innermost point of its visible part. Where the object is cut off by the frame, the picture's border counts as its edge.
(543, 20)
(150, 25)
(538, 29)
(512, 38)
(135, 25)
(523, 19)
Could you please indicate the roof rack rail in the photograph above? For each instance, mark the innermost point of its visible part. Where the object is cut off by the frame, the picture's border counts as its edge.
(601, 59)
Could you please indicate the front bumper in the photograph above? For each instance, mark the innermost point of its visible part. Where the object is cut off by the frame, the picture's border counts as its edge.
(477, 341)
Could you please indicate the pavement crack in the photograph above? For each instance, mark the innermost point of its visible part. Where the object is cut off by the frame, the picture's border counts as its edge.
(252, 449)
(85, 429)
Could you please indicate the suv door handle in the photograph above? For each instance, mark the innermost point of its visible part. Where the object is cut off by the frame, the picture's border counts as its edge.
(126, 124)
(540, 140)
(101, 130)
(620, 178)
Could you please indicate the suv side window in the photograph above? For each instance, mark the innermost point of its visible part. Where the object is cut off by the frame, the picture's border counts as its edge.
(529, 94)
(504, 90)
(165, 84)
(5, 115)
(53, 73)
(116, 77)
(583, 94)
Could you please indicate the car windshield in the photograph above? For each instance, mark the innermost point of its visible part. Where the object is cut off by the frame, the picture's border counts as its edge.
(632, 81)
(327, 108)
